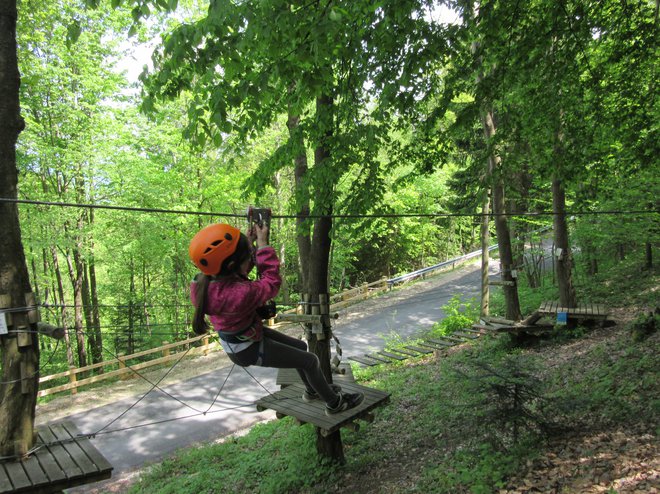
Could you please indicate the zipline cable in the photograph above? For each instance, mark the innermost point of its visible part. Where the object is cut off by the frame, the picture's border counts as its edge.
(339, 216)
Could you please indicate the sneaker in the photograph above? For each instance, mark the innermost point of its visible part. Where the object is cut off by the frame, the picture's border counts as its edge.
(313, 395)
(346, 402)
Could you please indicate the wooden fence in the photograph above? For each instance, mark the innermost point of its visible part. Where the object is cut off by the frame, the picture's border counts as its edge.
(122, 368)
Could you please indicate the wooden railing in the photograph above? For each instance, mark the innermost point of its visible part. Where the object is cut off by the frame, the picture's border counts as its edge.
(121, 366)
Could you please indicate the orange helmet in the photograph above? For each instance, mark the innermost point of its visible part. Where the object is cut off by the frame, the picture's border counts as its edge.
(212, 245)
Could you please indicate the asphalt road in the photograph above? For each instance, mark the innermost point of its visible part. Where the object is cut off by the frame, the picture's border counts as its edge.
(361, 329)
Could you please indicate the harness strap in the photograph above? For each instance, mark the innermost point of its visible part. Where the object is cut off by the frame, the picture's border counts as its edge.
(260, 353)
(236, 336)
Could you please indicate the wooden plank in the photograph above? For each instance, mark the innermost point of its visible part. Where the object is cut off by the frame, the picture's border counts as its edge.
(423, 351)
(392, 355)
(432, 346)
(378, 358)
(73, 449)
(101, 464)
(289, 402)
(17, 475)
(527, 329)
(465, 335)
(35, 471)
(68, 466)
(5, 483)
(48, 462)
(363, 361)
(406, 352)
(498, 320)
(439, 342)
(449, 338)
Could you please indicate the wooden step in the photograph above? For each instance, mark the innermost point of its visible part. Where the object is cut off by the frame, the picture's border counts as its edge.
(364, 361)
(391, 355)
(419, 349)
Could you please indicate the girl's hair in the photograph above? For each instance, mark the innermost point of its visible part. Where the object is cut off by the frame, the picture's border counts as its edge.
(229, 267)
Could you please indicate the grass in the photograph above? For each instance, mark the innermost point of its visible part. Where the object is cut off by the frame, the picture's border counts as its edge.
(468, 421)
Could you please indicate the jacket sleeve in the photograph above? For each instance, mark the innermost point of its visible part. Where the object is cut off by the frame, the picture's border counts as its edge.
(193, 289)
(268, 284)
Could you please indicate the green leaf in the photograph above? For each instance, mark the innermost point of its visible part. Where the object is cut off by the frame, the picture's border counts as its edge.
(73, 32)
(335, 15)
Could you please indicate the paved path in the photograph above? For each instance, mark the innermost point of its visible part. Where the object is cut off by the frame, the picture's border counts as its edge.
(361, 329)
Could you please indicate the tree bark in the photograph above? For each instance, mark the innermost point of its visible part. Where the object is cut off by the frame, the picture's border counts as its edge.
(75, 276)
(331, 446)
(96, 342)
(564, 264)
(510, 287)
(485, 254)
(303, 237)
(20, 356)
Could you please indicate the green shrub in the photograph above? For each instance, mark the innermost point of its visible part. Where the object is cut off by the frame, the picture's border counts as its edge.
(459, 315)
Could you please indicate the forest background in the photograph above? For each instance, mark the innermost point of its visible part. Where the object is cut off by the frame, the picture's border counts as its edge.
(248, 102)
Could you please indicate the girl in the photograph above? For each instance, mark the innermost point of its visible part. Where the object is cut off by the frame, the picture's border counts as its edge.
(225, 257)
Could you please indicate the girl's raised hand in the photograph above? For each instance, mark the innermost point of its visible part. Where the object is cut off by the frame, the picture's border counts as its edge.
(251, 235)
(262, 234)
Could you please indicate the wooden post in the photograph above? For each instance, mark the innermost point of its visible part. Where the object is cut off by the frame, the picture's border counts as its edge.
(122, 365)
(73, 378)
(166, 351)
(205, 342)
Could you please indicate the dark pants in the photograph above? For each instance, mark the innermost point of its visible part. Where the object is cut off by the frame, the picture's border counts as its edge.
(284, 352)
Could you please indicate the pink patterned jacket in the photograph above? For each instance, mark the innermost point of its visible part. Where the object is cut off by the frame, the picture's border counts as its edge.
(232, 300)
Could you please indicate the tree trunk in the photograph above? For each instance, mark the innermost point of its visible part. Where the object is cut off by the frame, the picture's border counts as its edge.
(63, 313)
(510, 289)
(564, 264)
(20, 354)
(485, 254)
(146, 285)
(494, 165)
(302, 200)
(331, 446)
(130, 343)
(649, 256)
(75, 276)
(97, 341)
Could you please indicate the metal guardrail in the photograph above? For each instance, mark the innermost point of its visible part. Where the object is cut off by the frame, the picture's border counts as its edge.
(420, 272)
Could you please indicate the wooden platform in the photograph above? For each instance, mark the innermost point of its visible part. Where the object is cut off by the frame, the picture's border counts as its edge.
(64, 460)
(582, 311)
(288, 402)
